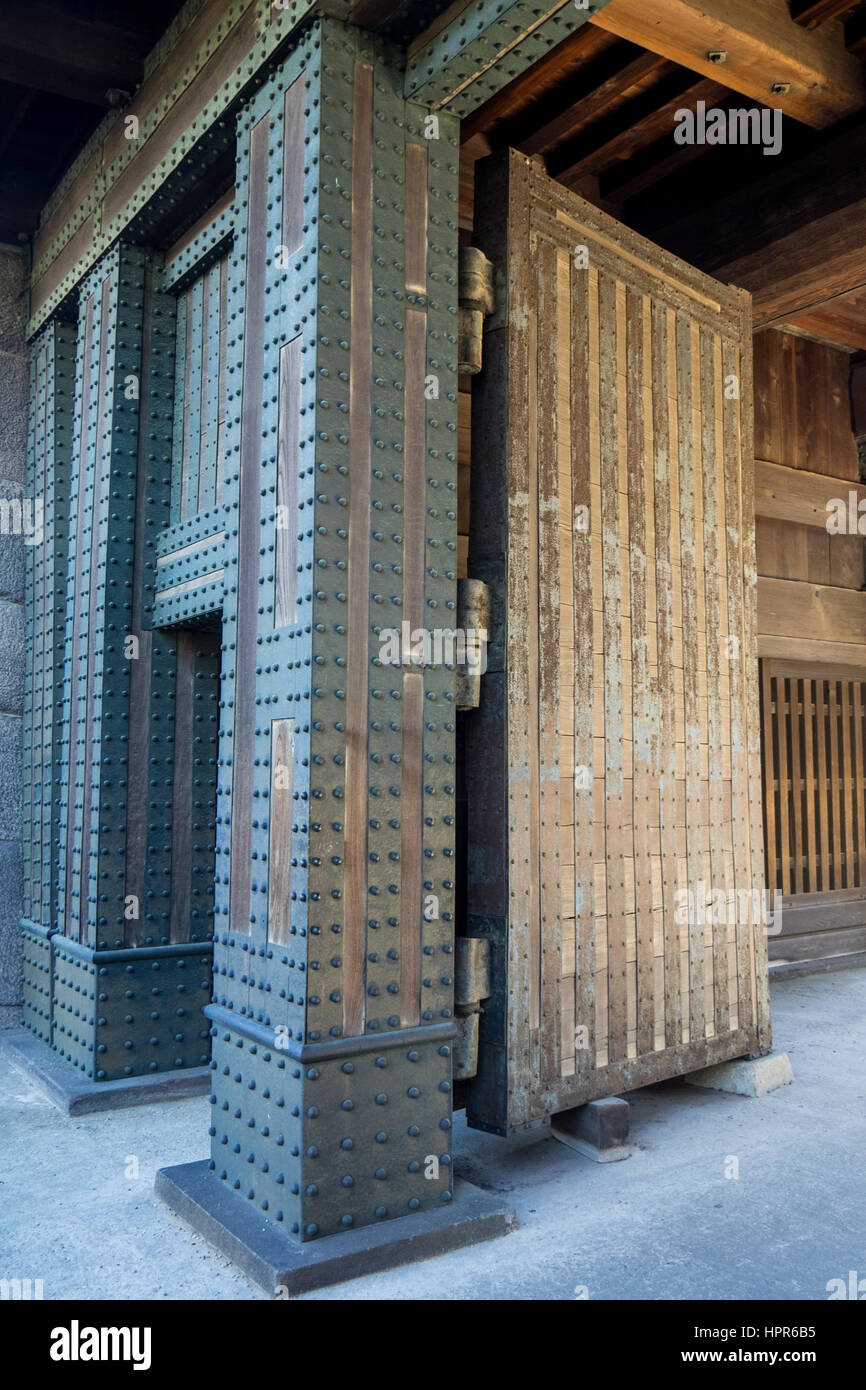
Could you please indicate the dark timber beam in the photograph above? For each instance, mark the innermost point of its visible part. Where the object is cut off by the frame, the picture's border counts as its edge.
(635, 77)
(855, 35)
(763, 46)
(55, 51)
(628, 132)
(811, 14)
(627, 178)
(369, 14)
(805, 269)
(795, 239)
(564, 64)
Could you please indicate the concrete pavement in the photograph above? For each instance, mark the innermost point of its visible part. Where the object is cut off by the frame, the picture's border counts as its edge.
(724, 1197)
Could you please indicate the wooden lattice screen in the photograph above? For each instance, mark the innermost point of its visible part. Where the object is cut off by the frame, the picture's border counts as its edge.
(814, 778)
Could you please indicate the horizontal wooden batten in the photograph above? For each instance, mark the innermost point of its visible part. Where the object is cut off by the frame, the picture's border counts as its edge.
(792, 494)
(188, 585)
(805, 913)
(811, 650)
(791, 607)
(194, 548)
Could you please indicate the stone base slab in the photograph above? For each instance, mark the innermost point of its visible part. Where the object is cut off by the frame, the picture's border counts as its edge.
(75, 1095)
(750, 1076)
(284, 1267)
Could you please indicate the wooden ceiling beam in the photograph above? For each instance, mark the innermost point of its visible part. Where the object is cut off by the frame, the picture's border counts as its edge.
(844, 329)
(813, 13)
(855, 35)
(548, 75)
(602, 101)
(611, 143)
(763, 47)
(794, 239)
(806, 270)
(59, 53)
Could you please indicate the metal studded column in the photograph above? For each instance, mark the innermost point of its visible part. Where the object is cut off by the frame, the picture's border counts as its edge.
(333, 1016)
(128, 978)
(44, 526)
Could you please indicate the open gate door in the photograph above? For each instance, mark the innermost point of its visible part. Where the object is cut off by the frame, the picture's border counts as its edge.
(615, 834)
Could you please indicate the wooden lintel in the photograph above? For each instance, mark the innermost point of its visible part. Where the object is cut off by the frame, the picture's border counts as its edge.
(764, 47)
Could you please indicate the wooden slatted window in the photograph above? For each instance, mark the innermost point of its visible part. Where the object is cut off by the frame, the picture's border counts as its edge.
(198, 453)
(814, 778)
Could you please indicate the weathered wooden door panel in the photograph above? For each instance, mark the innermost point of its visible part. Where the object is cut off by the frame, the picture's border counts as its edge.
(616, 857)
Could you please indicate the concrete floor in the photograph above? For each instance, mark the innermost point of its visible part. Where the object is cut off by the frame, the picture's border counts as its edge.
(666, 1224)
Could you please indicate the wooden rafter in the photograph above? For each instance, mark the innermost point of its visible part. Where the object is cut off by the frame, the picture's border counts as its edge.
(628, 132)
(549, 75)
(855, 35)
(763, 49)
(627, 178)
(633, 78)
(794, 239)
(811, 14)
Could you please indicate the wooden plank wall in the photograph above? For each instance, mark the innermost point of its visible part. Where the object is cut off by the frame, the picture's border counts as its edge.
(811, 604)
(812, 639)
(631, 697)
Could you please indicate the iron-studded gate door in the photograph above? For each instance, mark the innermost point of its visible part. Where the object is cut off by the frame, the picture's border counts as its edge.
(615, 857)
